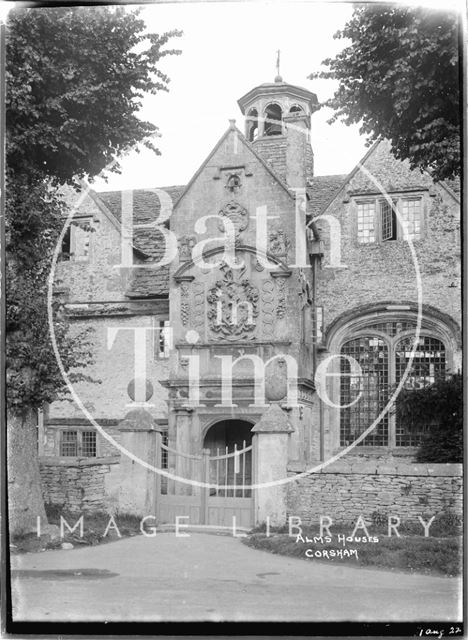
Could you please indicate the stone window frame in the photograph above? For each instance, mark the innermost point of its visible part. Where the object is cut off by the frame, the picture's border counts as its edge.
(397, 198)
(79, 429)
(431, 326)
(76, 223)
(162, 345)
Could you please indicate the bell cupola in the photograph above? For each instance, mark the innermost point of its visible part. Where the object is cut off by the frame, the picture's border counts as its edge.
(277, 123)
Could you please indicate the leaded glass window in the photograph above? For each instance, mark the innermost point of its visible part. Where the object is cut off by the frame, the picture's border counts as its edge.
(366, 222)
(410, 212)
(388, 221)
(371, 353)
(383, 360)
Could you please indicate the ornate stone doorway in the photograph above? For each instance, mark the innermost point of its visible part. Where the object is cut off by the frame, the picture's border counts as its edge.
(225, 467)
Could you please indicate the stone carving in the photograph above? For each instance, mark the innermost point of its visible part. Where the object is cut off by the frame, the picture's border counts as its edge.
(279, 244)
(238, 215)
(268, 308)
(259, 266)
(198, 305)
(186, 244)
(233, 184)
(233, 305)
(305, 395)
(184, 305)
(281, 306)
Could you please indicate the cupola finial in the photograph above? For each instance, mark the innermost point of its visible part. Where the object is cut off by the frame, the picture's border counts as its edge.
(278, 76)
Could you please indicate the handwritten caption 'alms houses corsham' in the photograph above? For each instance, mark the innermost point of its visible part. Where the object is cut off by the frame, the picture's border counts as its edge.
(328, 552)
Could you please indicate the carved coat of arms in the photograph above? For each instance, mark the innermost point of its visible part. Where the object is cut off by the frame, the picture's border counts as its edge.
(233, 305)
(237, 214)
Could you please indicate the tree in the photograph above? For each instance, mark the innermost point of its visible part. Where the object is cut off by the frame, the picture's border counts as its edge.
(400, 79)
(75, 79)
(439, 407)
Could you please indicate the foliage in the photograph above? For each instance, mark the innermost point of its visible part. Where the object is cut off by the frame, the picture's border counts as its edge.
(33, 221)
(438, 406)
(75, 78)
(400, 78)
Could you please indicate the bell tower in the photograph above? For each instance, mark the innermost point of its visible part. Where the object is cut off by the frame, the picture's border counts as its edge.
(277, 123)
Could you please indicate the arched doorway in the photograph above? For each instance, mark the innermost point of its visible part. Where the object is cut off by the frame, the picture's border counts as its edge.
(230, 472)
(228, 434)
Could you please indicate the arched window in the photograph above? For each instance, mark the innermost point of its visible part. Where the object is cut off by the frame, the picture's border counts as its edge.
(367, 394)
(296, 109)
(384, 351)
(252, 125)
(273, 120)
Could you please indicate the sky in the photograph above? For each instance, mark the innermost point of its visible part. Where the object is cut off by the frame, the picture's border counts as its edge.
(227, 49)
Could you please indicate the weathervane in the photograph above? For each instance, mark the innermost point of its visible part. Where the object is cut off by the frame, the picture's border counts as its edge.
(278, 76)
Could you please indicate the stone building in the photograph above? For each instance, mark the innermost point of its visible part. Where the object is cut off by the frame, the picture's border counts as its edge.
(295, 304)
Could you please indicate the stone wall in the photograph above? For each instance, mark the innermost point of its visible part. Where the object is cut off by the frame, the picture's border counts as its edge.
(385, 271)
(345, 491)
(76, 485)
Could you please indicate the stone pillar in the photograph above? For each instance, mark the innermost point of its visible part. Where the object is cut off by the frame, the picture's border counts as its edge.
(185, 467)
(271, 438)
(137, 484)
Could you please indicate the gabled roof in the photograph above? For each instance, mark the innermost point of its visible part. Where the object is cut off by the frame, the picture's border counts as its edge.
(146, 208)
(330, 186)
(246, 143)
(322, 190)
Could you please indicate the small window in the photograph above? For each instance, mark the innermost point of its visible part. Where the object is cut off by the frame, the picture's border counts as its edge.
(80, 241)
(410, 212)
(164, 452)
(366, 222)
(379, 220)
(69, 443)
(76, 241)
(88, 444)
(66, 245)
(295, 109)
(319, 324)
(74, 443)
(388, 221)
(164, 339)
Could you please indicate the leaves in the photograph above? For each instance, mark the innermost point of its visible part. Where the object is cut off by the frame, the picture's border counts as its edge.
(399, 79)
(441, 405)
(72, 78)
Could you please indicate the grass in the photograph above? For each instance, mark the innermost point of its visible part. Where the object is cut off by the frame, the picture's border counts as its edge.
(94, 527)
(414, 553)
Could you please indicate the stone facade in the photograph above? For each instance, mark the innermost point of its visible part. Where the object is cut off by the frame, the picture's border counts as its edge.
(289, 310)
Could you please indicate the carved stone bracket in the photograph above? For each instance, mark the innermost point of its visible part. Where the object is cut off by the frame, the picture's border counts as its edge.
(281, 285)
(186, 244)
(184, 281)
(279, 244)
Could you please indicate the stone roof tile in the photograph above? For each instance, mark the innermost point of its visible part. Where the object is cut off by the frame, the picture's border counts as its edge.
(154, 282)
(321, 190)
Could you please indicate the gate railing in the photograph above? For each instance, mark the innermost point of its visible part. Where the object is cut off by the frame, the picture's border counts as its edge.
(228, 473)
